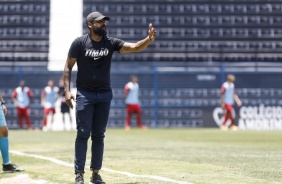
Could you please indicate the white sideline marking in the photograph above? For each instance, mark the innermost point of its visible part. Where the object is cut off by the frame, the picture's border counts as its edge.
(56, 161)
(145, 176)
(60, 162)
(22, 178)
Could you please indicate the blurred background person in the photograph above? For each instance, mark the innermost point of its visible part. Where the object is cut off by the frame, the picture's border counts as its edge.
(131, 94)
(7, 166)
(65, 109)
(21, 97)
(228, 96)
(49, 97)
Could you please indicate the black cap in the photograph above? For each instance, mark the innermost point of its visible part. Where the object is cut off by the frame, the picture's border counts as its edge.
(96, 16)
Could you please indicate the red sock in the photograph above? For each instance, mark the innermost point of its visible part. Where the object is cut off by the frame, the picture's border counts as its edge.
(45, 121)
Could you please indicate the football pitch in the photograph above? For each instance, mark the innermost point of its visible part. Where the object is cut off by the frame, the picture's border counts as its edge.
(154, 156)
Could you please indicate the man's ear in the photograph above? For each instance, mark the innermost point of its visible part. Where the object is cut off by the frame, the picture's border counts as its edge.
(89, 25)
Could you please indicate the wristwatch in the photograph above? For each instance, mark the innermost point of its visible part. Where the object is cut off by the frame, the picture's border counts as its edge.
(3, 103)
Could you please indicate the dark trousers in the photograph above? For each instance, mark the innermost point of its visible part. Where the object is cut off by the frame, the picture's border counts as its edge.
(92, 113)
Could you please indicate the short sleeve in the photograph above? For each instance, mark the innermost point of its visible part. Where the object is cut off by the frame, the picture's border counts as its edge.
(222, 91)
(117, 43)
(126, 89)
(75, 49)
(57, 90)
(14, 94)
(43, 92)
(29, 92)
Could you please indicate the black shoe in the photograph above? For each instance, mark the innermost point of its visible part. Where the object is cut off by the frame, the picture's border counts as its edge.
(96, 179)
(9, 168)
(79, 179)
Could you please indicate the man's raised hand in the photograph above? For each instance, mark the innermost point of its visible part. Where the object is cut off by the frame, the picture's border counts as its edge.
(151, 32)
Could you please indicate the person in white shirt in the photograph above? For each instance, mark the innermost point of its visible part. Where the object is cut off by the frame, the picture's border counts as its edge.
(21, 97)
(49, 97)
(131, 94)
(228, 97)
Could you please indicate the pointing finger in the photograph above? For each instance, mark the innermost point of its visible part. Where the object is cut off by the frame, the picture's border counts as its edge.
(150, 26)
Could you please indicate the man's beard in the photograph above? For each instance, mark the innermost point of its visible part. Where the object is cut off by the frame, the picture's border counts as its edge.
(100, 31)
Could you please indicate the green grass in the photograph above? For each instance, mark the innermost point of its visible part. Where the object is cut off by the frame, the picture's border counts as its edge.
(200, 156)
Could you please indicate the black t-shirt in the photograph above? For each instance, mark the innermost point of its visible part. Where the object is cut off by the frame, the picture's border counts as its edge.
(94, 61)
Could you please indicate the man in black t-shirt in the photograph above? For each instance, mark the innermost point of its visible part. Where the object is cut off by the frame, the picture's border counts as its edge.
(93, 53)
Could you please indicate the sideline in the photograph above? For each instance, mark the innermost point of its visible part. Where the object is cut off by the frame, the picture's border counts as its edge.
(22, 178)
(60, 162)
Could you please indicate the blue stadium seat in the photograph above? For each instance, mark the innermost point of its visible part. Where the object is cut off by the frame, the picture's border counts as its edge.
(25, 31)
(244, 21)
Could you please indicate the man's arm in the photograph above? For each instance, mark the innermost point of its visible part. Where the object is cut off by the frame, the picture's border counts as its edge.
(222, 100)
(140, 45)
(14, 98)
(67, 78)
(237, 100)
(222, 92)
(43, 94)
(3, 104)
(126, 91)
(30, 95)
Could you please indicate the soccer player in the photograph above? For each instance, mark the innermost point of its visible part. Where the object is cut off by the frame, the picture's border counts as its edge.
(93, 54)
(65, 109)
(228, 96)
(21, 97)
(4, 141)
(49, 97)
(131, 93)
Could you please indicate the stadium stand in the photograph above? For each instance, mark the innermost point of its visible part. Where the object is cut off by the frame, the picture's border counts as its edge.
(173, 94)
(24, 31)
(202, 30)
